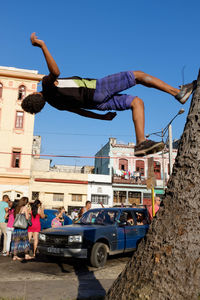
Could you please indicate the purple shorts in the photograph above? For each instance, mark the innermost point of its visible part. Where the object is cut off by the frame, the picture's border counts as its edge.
(107, 97)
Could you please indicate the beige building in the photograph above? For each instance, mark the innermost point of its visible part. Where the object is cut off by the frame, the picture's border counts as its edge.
(56, 188)
(16, 131)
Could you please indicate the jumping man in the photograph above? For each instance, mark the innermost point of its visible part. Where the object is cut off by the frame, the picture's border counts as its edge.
(77, 94)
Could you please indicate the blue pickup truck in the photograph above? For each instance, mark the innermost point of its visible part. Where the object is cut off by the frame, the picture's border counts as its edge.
(99, 233)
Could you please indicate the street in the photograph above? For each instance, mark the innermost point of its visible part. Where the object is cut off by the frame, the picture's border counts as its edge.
(64, 279)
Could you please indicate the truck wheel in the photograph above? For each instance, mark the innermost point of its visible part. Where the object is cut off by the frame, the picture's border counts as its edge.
(99, 255)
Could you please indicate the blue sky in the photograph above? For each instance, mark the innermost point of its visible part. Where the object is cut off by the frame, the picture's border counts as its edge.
(96, 38)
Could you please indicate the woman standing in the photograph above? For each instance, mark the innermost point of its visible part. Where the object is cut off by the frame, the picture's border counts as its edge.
(37, 212)
(20, 242)
(10, 218)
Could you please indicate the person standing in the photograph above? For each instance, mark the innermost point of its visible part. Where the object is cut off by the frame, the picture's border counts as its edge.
(157, 206)
(37, 212)
(19, 241)
(85, 208)
(74, 215)
(3, 210)
(10, 217)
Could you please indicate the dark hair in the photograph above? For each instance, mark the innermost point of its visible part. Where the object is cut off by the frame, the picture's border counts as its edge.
(6, 197)
(33, 103)
(34, 207)
(22, 202)
(14, 204)
(87, 202)
(60, 209)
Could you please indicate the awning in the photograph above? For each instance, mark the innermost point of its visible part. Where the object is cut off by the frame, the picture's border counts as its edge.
(160, 192)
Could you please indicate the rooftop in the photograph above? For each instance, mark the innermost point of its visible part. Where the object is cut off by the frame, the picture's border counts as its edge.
(18, 70)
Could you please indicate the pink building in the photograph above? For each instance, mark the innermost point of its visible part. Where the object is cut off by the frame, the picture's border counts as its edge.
(129, 173)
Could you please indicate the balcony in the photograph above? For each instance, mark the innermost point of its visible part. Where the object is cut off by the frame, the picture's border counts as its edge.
(129, 180)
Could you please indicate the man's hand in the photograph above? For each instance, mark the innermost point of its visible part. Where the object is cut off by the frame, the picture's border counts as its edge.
(35, 41)
(109, 116)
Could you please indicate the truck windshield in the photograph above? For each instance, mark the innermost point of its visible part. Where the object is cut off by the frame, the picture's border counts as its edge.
(100, 217)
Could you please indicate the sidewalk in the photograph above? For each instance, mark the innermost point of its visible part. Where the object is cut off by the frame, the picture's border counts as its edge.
(54, 289)
(65, 280)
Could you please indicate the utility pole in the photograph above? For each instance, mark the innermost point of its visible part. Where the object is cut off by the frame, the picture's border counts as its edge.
(163, 164)
(170, 149)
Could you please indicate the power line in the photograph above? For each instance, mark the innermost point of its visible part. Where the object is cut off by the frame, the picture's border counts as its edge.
(72, 156)
(70, 134)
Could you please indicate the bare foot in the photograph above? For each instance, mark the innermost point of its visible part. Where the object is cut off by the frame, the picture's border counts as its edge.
(17, 258)
(28, 257)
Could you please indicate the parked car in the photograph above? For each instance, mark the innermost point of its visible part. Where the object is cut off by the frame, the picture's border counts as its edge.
(50, 214)
(99, 233)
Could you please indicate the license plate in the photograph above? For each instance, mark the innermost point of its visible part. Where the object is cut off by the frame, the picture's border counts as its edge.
(53, 250)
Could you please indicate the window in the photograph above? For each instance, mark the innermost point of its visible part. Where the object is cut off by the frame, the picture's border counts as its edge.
(96, 199)
(140, 167)
(76, 197)
(99, 190)
(21, 92)
(123, 164)
(119, 196)
(134, 197)
(1, 89)
(35, 195)
(147, 195)
(157, 169)
(19, 119)
(18, 195)
(16, 157)
(58, 197)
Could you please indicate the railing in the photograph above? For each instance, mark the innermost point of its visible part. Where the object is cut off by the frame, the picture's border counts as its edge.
(73, 170)
(138, 180)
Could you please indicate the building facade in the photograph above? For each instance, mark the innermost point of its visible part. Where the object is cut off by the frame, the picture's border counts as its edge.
(68, 186)
(16, 131)
(100, 190)
(130, 173)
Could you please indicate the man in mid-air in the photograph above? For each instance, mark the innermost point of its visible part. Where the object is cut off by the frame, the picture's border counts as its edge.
(81, 95)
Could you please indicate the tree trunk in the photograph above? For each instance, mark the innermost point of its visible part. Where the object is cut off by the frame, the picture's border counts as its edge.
(166, 264)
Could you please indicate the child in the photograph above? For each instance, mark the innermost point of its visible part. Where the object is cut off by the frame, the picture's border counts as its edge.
(59, 219)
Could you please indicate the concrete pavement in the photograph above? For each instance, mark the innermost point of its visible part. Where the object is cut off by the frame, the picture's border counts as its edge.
(58, 279)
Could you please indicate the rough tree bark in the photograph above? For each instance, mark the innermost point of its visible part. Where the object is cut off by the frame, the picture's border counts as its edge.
(166, 264)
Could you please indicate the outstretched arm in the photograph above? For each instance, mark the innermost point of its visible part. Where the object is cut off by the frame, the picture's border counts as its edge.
(52, 66)
(89, 114)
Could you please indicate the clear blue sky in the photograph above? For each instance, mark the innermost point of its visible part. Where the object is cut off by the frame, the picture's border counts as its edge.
(96, 38)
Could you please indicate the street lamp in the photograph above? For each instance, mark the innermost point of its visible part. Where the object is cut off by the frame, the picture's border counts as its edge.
(162, 133)
(169, 127)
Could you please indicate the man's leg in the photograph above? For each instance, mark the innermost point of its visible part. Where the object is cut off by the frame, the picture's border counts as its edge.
(153, 82)
(109, 86)
(3, 227)
(143, 147)
(137, 107)
(182, 94)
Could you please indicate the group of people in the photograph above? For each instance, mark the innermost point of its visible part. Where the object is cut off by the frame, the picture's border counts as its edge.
(76, 215)
(17, 240)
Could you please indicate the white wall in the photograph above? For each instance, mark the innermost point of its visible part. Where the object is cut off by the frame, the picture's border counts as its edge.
(12, 190)
(100, 185)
